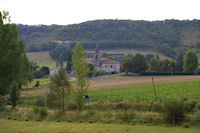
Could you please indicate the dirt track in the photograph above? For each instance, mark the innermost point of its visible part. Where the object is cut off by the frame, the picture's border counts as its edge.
(125, 81)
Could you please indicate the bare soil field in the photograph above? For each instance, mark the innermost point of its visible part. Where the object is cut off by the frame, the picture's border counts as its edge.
(125, 81)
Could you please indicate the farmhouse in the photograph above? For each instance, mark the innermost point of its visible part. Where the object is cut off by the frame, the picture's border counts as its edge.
(104, 64)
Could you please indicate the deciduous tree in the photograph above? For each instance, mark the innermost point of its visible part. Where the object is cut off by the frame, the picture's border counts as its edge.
(60, 88)
(190, 61)
(139, 64)
(127, 65)
(14, 65)
(166, 65)
(154, 65)
(80, 69)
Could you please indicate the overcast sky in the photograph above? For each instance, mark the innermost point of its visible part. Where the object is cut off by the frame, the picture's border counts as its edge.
(75, 11)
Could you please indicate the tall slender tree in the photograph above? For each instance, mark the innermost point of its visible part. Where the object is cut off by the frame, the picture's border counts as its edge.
(69, 61)
(179, 61)
(80, 69)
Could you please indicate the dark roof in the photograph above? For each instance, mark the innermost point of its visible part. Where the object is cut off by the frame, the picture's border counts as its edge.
(108, 61)
(90, 60)
(103, 61)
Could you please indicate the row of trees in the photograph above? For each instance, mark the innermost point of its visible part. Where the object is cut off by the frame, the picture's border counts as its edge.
(187, 62)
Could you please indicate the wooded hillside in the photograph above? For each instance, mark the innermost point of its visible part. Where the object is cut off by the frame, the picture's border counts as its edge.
(163, 36)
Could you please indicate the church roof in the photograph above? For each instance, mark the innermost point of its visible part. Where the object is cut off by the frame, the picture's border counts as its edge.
(108, 61)
(90, 60)
(103, 61)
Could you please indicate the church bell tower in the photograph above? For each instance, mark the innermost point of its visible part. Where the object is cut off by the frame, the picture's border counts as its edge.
(97, 56)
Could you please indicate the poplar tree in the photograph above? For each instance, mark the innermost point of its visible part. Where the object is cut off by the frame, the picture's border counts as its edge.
(80, 70)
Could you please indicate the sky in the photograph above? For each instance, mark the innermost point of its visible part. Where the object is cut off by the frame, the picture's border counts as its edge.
(64, 12)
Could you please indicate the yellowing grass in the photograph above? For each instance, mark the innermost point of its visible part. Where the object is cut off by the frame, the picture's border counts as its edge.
(10, 126)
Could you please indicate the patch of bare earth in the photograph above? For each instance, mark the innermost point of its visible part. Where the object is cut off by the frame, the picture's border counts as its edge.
(119, 82)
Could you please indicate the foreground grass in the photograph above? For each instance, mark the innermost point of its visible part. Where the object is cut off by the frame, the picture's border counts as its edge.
(11, 126)
(179, 90)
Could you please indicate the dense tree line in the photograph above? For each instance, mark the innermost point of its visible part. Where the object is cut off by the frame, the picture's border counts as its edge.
(187, 62)
(59, 51)
(162, 36)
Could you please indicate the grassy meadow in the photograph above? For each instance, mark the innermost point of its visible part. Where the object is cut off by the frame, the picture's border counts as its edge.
(42, 59)
(11, 126)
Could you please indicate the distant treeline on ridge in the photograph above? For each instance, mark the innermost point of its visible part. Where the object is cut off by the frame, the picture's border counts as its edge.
(162, 36)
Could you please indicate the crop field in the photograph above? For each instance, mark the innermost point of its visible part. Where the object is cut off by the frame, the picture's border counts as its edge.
(11, 126)
(137, 89)
(166, 91)
(112, 82)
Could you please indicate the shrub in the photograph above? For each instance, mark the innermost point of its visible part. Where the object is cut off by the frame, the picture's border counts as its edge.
(190, 105)
(35, 109)
(186, 125)
(91, 121)
(9, 117)
(90, 113)
(40, 101)
(173, 112)
(37, 84)
(156, 107)
(50, 100)
(141, 106)
(71, 106)
(150, 117)
(40, 111)
(2, 103)
(69, 120)
(90, 73)
(26, 119)
(122, 105)
(43, 112)
(198, 106)
(125, 116)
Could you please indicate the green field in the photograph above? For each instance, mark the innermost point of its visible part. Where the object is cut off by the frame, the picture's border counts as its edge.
(11, 126)
(179, 90)
(42, 59)
(44, 83)
(166, 91)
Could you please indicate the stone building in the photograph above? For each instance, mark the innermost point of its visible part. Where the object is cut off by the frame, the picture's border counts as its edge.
(53, 71)
(104, 64)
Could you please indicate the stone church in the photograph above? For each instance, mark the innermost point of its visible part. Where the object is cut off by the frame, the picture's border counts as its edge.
(104, 64)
